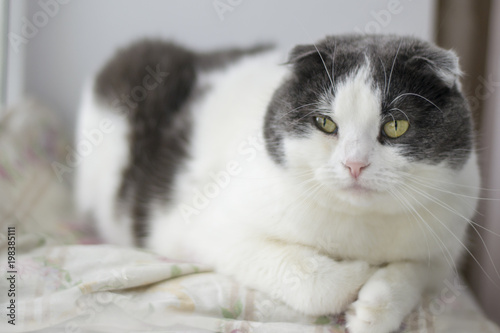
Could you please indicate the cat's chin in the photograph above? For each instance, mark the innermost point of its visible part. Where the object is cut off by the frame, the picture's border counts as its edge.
(360, 195)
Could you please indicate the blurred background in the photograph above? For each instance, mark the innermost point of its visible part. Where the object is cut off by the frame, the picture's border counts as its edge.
(50, 47)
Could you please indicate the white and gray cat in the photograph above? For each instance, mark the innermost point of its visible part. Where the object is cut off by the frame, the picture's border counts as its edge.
(351, 165)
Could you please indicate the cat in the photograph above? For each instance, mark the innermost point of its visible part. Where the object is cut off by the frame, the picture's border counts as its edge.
(339, 178)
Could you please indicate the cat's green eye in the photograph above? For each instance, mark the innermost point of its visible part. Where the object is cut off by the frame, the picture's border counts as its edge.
(326, 124)
(396, 128)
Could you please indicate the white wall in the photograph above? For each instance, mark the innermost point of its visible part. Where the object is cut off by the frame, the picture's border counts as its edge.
(15, 55)
(83, 33)
(4, 8)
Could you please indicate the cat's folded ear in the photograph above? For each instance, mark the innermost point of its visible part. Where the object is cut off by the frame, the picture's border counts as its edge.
(305, 57)
(302, 52)
(442, 63)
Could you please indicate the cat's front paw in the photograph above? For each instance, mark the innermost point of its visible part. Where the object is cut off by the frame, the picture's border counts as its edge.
(373, 312)
(363, 317)
(327, 287)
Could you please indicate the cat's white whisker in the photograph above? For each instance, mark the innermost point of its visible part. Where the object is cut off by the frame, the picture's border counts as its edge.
(429, 186)
(392, 68)
(408, 210)
(333, 63)
(317, 111)
(390, 115)
(397, 109)
(304, 198)
(449, 258)
(426, 182)
(444, 249)
(417, 95)
(459, 241)
(454, 193)
(324, 65)
(439, 179)
(385, 74)
(295, 109)
(454, 211)
(435, 199)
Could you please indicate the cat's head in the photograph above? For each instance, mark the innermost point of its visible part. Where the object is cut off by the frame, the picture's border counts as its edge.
(362, 115)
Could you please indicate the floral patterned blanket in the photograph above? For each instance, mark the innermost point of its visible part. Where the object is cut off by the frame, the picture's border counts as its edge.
(57, 277)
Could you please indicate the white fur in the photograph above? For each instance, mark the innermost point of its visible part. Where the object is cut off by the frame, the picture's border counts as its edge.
(305, 233)
(99, 172)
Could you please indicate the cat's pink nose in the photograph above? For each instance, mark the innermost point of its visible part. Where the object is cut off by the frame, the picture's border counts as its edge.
(355, 167)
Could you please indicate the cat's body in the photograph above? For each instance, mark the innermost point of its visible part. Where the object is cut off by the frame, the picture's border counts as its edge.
(224, 161)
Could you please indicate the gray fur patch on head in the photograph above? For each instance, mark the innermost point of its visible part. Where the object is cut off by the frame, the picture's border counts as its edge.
(418, 80)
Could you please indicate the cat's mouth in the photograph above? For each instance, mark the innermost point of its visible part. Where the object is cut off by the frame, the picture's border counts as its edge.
(358, 189)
